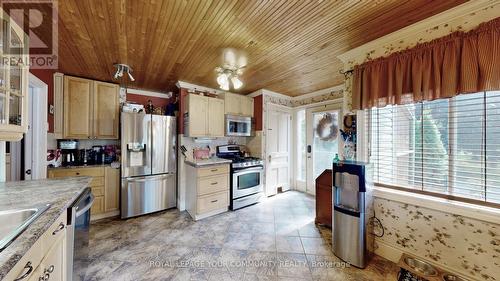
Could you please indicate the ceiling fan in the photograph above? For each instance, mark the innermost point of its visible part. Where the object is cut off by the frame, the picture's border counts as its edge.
(231, 69)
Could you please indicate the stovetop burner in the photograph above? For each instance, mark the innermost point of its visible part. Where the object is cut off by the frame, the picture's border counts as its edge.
(234, 153)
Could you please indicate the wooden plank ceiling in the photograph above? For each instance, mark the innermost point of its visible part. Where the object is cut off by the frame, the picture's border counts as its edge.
(291, 46)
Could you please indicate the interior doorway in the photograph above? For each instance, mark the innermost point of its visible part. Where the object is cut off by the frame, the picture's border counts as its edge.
(323, 141)
(28, 157)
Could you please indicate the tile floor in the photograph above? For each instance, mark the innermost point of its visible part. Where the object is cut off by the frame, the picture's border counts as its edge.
(274, 240)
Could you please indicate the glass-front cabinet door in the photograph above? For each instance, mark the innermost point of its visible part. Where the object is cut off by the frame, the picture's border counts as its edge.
(13, 79)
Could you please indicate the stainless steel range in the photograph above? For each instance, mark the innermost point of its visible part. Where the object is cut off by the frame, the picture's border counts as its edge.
(246, 176)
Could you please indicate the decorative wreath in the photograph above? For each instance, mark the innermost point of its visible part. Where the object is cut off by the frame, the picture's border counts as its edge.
(328, 128)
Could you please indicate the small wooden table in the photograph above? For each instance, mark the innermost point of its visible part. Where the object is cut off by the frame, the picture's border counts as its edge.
(324, 198)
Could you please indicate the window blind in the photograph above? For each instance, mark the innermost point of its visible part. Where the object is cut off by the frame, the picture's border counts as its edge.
(447, 146)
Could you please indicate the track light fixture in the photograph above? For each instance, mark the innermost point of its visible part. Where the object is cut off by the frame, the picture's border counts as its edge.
(120, 69)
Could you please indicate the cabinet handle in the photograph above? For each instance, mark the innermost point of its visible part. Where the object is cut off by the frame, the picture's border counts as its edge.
(59, 228)
(27, 273)
(50, 269)
(214, 183)
(214, 170)
(213, 201)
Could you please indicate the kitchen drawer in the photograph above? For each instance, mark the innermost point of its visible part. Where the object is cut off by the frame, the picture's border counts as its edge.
(97, 190)
(213, 170)
(212, 202)
(98, 206)
(29, 261)
(213, 184)
(97, 181)
(56, 230)
(74, 172)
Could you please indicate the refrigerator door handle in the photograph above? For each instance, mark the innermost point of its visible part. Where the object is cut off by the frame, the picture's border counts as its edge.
(148, 178)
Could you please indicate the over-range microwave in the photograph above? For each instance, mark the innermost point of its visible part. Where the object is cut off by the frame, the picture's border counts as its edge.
(238, 126)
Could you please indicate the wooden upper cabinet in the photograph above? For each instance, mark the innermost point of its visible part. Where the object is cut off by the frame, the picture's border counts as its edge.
(216, 117)
(247, 106)
(106, 110)
(77, 108)
(206, 117)
(14, 74)
(232, 104)
(238, 105)
(91, 109)
(198, 115)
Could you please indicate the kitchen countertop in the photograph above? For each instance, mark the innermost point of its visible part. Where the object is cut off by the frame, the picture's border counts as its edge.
(59, 193)
(79, 166)
(207, 162)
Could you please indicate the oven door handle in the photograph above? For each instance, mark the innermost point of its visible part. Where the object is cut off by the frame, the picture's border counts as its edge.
(79, 213)
(245, 170)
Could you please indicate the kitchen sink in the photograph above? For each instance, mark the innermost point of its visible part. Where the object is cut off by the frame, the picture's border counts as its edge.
(14, 222)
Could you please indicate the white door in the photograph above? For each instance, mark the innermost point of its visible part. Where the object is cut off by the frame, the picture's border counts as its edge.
(28, 141)
(277, 150)
(323, 140)
(35, 139)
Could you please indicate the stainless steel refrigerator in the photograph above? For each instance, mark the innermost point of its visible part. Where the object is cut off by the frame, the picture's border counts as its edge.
(149, 165)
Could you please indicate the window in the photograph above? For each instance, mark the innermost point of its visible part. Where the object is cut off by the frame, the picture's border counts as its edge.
(448, 147)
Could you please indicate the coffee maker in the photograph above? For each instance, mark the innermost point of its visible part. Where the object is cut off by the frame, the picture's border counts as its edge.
(69, 151)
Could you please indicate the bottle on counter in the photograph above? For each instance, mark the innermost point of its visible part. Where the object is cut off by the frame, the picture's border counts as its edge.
(336, 158)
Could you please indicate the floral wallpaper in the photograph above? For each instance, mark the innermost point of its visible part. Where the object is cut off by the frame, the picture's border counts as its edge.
(469, 246)
(333, 95)
(278, 100)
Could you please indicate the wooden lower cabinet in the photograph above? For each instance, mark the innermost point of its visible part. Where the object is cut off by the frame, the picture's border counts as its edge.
(112, 189)
(98, 206)
(46, 259)
(54, 262)
(207, 190)
(105, 187)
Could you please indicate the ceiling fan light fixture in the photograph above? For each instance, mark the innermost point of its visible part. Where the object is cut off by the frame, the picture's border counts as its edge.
(222, 79)
(236, 82)
(225, 86)
(228, 75)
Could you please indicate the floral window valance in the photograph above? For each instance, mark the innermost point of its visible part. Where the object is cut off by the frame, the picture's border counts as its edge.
(462, 62)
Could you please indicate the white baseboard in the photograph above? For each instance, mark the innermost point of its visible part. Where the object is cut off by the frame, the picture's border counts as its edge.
(394, 253)
(387, 251)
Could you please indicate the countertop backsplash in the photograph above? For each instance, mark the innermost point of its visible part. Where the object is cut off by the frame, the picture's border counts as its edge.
(82, 144)
(191, 143)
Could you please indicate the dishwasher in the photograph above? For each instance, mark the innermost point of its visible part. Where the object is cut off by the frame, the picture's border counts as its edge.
(78, 235)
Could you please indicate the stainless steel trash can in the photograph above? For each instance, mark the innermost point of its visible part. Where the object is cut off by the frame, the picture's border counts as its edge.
(352, 204)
